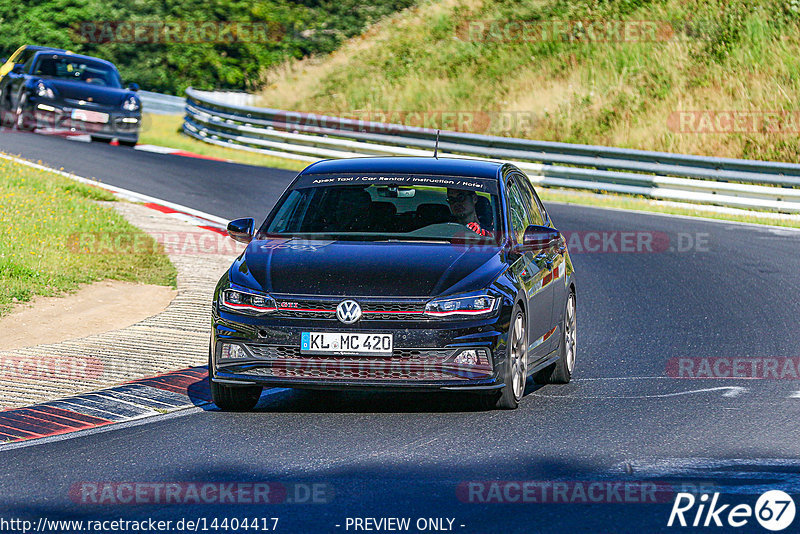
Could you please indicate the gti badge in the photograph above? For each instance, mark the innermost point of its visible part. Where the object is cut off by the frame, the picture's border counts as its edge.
(348, 311)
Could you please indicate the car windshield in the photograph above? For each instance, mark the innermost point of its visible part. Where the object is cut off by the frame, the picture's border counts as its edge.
(77, 69)
(389, 208)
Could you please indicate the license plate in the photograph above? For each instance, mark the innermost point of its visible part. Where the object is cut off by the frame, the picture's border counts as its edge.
(341, 343)
(89, 116)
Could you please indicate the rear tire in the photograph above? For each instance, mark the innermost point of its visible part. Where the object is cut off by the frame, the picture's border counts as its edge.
(561, 371)
(232, 398)
(128, 143)
(96, 139)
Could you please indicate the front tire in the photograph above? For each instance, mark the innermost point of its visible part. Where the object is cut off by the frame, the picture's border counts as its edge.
(124, 142)
(232, 398)
(21, 121)
(515, 371)
(97, 139)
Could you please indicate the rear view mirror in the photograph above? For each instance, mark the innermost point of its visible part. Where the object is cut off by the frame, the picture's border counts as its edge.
(540, 238)
(242, 230)
(394, 191)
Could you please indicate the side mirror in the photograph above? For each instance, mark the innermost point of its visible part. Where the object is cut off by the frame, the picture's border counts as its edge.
(539, 239)
(133, 87)
(17, 68)
(242, 230)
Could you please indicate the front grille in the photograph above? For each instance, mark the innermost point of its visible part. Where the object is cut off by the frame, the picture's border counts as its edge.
(281, 352)
(284, 361)
(380, 311)
(314, 370)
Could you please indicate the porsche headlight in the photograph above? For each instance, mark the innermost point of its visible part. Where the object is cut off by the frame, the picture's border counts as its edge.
(249, 303)
(475, 305)
(43, 91)
(131, 104)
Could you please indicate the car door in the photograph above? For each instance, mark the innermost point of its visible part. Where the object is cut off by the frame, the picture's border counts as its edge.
(554, 258)
(533, 272)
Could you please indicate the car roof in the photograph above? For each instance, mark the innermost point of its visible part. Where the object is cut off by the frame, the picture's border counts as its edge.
(48, 48)
(408, 165)
(64, 53)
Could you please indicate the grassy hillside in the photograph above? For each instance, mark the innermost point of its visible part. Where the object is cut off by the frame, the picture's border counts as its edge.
(710, 56)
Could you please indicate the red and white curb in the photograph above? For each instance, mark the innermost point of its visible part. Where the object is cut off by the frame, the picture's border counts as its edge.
(134, 400)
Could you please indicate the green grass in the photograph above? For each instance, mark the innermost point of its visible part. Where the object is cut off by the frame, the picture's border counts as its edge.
(725, 55)
(43, 216)
(165, 130)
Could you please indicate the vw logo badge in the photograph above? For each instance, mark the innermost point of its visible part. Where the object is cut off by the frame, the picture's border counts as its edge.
(348, 311)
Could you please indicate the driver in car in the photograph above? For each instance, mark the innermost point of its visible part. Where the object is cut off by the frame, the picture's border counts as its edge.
(463, 207)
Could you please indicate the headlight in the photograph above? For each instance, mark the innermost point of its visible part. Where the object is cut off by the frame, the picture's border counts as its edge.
(131, 104)
(469, 306)
(249, 303)
(43, 91)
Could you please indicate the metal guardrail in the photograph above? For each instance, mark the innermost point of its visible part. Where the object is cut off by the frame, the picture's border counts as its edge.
(748, 184)
(162, 104)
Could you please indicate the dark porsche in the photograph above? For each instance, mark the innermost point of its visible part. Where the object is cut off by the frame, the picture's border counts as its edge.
(58, 89)
(397, 273)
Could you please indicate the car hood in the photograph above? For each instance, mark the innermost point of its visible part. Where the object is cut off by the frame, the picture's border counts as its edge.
(107, 96)
(348, 268)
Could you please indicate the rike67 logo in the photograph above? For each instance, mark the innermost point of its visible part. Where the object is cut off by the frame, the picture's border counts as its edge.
(774, 510)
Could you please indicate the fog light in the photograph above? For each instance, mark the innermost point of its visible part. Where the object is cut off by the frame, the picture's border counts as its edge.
(472, 357)
(232, 352)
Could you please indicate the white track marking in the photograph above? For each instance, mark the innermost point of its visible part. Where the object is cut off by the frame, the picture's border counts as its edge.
(730, 391)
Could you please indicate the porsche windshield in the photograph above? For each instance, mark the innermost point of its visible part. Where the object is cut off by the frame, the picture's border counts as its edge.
(77, 70)
(460, 209)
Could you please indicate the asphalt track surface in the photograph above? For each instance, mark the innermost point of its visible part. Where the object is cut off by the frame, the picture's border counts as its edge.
(622, 419)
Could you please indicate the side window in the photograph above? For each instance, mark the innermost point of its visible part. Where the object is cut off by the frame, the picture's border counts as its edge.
(534, 206)
(516, 206)
(28, 63)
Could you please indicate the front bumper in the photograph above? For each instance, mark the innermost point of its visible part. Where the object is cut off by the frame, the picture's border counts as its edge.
(57, 115)
(422, 359)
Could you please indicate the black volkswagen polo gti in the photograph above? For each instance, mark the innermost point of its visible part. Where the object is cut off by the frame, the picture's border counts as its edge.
(396, 273)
